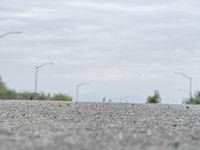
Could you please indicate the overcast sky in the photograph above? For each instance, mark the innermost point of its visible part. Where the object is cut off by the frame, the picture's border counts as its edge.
(122, 47)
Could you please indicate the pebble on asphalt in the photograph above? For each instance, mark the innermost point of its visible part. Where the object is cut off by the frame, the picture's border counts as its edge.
(176, 144)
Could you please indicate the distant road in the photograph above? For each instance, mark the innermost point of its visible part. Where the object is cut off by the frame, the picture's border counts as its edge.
(43, 125)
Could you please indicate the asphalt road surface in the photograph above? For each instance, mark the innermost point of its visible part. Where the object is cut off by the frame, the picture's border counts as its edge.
(46, 125)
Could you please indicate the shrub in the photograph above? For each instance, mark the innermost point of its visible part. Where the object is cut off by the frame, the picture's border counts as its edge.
(43, 96)
(194, 100)
(155, 98)
(61, 97)
(6, 93)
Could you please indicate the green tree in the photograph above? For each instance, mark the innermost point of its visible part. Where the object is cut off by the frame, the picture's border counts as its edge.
(194, 100)
(155, 98)
(2, 85)
(6, 93)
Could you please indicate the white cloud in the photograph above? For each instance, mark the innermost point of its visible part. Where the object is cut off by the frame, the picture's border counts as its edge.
(118, 7)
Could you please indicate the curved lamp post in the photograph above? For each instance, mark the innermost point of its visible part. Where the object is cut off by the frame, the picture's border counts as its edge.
(123, 98)
(36, 73)
(190, 82)
(9, 33)
(77, 88)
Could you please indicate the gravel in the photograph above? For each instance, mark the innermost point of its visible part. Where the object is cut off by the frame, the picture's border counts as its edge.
(50, 125)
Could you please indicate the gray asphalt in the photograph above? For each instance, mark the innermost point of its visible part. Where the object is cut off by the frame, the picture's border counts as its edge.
(46, 125)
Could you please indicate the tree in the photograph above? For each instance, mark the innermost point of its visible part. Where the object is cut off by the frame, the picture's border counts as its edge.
(6, 93)
(194, 100)
(155, 98)
(2, 85)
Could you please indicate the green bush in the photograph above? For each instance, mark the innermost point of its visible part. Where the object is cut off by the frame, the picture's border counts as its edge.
(6, 93)
(61, 97)
(194, 100)
(155, 98)
(43, 96)
(28, 95)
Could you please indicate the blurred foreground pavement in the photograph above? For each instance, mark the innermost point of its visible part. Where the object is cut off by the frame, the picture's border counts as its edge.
(43, 125)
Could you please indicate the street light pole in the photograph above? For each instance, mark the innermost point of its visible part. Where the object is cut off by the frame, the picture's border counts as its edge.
(36, 73)
(77, 89)
(190, 82)
(8, 33)
(123, 98)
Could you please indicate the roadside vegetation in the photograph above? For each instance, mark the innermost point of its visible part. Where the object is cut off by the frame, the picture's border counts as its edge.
(194, 100)
(155, 98)
(6, 93)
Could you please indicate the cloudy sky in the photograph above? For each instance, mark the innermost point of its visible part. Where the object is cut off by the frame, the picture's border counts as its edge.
(121, 47)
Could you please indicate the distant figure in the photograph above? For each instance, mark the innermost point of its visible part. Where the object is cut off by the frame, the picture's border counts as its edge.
(104, 100)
